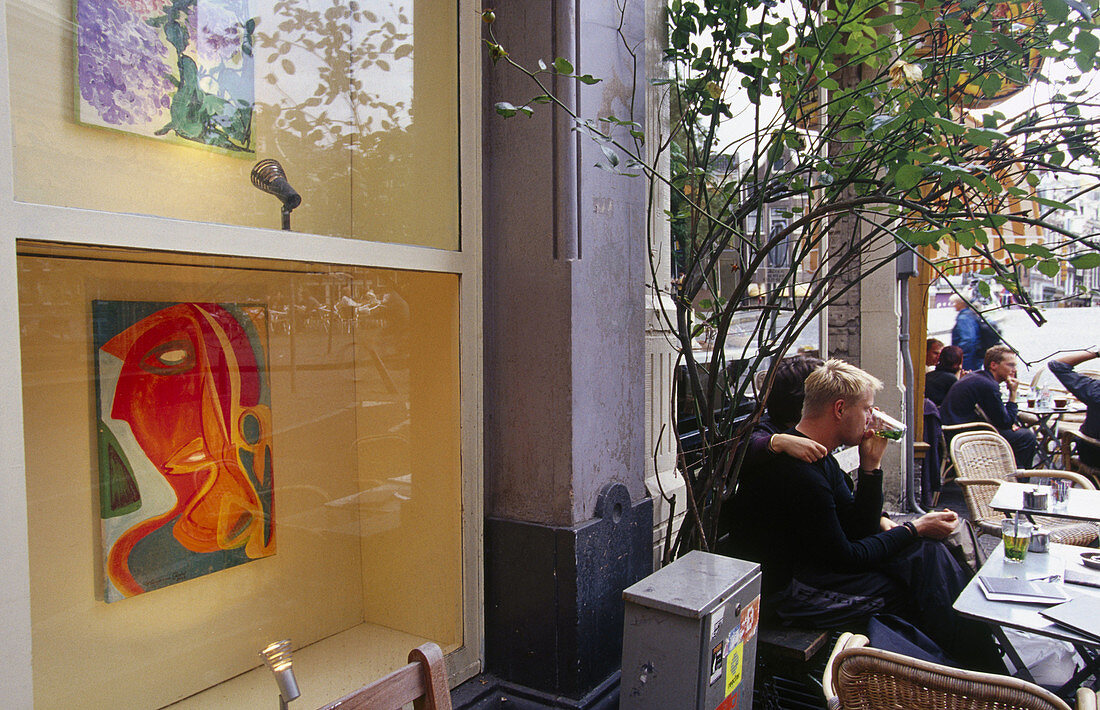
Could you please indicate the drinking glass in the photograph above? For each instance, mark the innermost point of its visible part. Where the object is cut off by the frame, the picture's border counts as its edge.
(1016, 535)
(1059, 491)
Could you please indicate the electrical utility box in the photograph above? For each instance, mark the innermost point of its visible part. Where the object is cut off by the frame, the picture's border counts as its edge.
(689, 636)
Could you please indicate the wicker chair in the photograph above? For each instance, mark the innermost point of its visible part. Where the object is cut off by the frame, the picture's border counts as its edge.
(1069, 438)
(983, 461)
(947, 466)
(861, 678)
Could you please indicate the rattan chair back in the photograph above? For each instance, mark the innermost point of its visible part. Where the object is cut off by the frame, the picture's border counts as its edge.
(982, 461)
(873, 679)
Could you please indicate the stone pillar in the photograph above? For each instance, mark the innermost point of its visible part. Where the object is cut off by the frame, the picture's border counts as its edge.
(569, 522)
(880, 354)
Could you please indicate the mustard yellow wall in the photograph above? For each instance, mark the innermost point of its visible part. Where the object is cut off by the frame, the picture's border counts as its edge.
(391, 183)
(366, 467)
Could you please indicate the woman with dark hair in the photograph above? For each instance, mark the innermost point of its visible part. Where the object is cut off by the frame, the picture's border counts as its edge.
(946, 374)
(783, 409)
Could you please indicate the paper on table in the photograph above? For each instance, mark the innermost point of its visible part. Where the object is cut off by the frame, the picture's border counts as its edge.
(1011, 589)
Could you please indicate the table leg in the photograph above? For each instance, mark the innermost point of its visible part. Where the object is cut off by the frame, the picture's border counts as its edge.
(1022, 671)
(1091, 666)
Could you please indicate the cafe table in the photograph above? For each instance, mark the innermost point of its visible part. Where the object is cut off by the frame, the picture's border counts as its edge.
(1046, 436)
(972, 603)
(1081, 504)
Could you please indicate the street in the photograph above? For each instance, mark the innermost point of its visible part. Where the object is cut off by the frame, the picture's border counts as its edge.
(1065, 329)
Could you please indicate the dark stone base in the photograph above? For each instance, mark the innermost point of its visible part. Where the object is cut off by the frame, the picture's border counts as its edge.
(486, 692)
(553, 599)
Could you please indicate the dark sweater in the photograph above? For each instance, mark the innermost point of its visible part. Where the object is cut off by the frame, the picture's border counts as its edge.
(1086, 389)
(937, 383)
(794, 516)
(977, 388)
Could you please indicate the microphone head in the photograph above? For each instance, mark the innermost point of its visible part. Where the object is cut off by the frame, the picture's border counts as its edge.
(268, 175)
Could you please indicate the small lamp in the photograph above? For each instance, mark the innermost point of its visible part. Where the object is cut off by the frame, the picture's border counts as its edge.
(268, 175)
(277, 658)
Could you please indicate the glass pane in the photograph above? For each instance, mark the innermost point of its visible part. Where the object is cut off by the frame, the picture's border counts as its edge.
(225, 453)
(163, 108)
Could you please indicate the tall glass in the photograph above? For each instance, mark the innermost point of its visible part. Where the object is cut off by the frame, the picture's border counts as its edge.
(1016, 535)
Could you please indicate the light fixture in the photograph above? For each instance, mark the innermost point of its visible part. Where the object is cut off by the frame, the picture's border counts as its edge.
(277, 658)
(268, 175)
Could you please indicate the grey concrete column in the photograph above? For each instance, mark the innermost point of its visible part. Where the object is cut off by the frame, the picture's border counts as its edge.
(569, 521)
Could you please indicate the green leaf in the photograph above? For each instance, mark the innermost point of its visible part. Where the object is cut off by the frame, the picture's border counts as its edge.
(508, 110)
(1046, 202)
(949, 126)
(563, 66)
(1086, 261)
(908, 176)
(1056, 10)
(1049, 267)
(611, 155)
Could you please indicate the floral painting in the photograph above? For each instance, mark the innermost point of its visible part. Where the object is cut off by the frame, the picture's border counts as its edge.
(184, 441)
(177, 69)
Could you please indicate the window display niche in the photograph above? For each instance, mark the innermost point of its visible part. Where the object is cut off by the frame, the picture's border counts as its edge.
(223, 453)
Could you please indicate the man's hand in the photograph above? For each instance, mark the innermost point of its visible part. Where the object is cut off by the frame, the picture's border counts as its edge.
(1012, 383)
(798, 447)
(886, 524)
(936, 525)
(870, 451)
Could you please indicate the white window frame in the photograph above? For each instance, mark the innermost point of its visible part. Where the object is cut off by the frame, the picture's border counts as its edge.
(20, 220)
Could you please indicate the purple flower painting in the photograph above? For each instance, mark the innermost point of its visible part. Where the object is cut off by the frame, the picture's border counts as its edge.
(177, 69)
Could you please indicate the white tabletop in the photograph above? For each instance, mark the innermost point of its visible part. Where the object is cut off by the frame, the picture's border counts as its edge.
(972, 601)
(1082, 504)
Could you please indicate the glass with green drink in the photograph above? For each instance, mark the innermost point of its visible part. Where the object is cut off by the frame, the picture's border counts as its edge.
(1016, 535)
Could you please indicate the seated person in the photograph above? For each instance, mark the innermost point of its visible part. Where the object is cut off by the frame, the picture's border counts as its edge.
(939, 380)
(1086, 389)
(783, 407)
(977, 398)
(828, 559)
(932, 349)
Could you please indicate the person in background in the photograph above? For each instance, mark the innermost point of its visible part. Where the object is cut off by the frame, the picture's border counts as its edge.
(827, 559)
(966, 334)
(946, 373)
(1086, 389)
(977, 398)
(932, 353)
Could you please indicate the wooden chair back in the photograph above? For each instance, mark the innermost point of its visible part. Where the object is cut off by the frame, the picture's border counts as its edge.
(423, 683)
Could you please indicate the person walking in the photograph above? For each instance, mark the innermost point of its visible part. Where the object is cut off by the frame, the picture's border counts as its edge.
(966, 334)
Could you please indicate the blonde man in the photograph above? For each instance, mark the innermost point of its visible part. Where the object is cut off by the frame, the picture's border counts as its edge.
(828, 559)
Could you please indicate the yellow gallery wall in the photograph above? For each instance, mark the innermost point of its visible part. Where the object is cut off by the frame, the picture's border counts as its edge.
(357, 180)
(357, 538)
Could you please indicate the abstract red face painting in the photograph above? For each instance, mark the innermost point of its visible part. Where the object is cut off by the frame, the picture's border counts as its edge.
(184, 435)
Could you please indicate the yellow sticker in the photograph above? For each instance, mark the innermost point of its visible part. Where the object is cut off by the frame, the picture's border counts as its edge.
(733, 668)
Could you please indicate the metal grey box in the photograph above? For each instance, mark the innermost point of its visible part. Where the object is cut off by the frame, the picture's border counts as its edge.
(689, 635)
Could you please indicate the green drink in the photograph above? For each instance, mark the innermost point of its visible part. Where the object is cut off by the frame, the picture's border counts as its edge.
(1016, 536)
(886, 427)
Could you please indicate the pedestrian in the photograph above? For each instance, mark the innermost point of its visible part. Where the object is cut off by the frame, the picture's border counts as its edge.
(966, 334)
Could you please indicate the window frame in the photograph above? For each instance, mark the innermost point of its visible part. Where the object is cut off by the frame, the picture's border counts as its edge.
(47, 223)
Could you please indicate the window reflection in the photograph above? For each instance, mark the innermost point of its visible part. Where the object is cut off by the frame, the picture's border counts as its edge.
(357, 100)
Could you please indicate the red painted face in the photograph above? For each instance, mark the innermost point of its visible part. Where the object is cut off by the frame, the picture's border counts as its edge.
(160, 388)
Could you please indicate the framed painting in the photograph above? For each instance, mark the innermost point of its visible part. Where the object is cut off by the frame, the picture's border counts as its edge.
(184, 441)
(179, 70)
